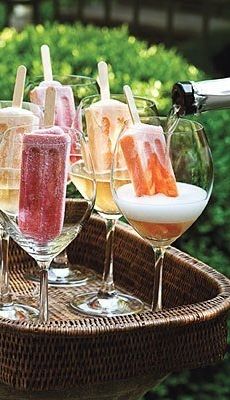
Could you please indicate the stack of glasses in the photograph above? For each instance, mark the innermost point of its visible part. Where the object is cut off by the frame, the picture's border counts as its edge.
(119, 156)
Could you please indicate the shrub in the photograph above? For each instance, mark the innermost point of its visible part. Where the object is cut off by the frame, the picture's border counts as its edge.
(198, 384)
(151, 71)
(76, 49)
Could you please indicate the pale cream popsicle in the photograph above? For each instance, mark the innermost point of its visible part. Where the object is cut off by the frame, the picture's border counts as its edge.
(16, 115)
(65, 105)
(105, 120)
(14, 122)
(15, 118)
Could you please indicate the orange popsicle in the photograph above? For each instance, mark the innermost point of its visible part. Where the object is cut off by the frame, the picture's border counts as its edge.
(150, 169)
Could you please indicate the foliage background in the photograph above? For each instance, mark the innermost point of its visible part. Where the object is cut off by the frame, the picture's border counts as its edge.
(151, 71)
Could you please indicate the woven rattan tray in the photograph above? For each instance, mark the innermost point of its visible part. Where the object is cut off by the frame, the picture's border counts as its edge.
(73, 350)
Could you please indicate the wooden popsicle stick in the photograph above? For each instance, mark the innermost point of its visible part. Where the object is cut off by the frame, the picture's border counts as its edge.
(131, 103)
(46, 63)
(19, 86)
(49, 112)
(103, 80)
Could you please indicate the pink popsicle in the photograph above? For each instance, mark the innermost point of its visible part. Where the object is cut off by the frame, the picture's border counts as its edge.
(65, 106)
(45, 158)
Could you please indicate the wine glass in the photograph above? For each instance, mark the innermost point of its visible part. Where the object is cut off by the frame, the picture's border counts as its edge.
(8, 308)
(101, 141)
(170, 182)
(82, 86)
(61, 273)
(37, 214)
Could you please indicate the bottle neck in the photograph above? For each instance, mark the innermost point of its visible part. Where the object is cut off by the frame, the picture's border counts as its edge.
(195, 97)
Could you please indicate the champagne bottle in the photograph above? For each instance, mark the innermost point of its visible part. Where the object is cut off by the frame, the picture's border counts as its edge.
(195, 97)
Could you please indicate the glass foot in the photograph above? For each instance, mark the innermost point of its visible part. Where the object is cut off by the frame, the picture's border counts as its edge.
(18, 312)
(106, 306)
(65, 276)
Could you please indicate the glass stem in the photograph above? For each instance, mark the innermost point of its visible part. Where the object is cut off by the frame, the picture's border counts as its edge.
(107, 287)
(5, 297)
(62, 258)
(43, 310)
(159, 253)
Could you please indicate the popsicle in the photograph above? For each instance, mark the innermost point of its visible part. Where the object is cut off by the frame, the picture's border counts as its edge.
(144, 149)
(15, 116)
(65, 106)
(45, 158)
(75, 148)
(19, 120)
(104, 120)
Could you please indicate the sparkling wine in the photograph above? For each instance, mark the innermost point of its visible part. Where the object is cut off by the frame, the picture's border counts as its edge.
(9, 198)
(9, 190)
(159, 218)
(104, 199)
(160, 232)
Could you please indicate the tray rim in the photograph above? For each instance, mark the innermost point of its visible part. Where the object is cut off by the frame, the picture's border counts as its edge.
(198, 312)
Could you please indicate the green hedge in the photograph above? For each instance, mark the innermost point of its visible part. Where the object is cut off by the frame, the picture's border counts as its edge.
(200, 384)
(76, 49)
(151, 71)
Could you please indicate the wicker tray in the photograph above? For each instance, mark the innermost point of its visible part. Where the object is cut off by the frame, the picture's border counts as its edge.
(72, 350)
